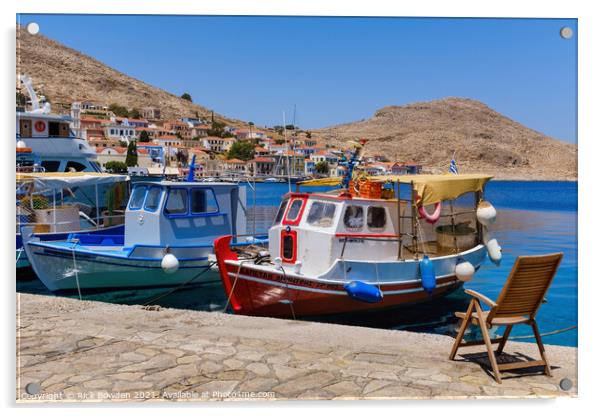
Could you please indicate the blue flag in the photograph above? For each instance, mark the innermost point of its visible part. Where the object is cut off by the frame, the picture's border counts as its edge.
(453, 168)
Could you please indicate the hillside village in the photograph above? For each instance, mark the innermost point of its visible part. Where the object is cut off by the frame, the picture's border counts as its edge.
(168, 146)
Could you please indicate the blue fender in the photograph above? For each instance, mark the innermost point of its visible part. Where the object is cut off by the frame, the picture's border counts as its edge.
(364, 292)
(427, 274)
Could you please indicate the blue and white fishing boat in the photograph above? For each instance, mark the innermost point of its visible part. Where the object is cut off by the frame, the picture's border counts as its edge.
(57, 204)
(169, 233)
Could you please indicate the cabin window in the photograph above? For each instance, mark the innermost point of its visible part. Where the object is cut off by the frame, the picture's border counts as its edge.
(321, 214)
(153, 197)
(137, 198)
(74, 166)
(177, 202)
(53, 129)
(51, 165)
(203, 201)
(281, 210)
(293, 211)
(354, 217)
(376, 218)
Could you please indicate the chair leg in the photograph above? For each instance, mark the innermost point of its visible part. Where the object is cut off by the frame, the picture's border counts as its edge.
(485, 331)
(541, 348)
(500, 348)
(462, 329)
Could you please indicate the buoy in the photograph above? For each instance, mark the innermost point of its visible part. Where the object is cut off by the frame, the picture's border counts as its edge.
(464, 271)
(486, 213)
(364, 292)
(170, 263)
(430, 218)
(494, 251)
(427, 274)
(21, 145)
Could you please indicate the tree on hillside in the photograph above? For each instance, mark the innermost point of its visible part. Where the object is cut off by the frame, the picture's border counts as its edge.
(119, 110)
(144, 137)
(278, 129)
(290, 127)
(115, 166)
(21, 99)
(217, 129)
(186, 97)
(131, 158)
(243, 150)
(322, 167)
(308, 134)
(135, 113)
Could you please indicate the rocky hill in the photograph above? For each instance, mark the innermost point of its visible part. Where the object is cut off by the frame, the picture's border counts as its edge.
(65, 75)
(483, 139)
(426, 132)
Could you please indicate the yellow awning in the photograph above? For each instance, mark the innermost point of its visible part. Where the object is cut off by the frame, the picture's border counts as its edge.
(436, 188)
(321, 182)
(429, 188)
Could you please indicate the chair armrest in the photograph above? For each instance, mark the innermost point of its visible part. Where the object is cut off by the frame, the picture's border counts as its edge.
(481, 297)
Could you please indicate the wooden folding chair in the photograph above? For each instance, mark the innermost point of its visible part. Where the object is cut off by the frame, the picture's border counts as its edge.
(517, 303)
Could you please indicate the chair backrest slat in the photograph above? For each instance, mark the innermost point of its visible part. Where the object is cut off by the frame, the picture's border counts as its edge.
(524, 291)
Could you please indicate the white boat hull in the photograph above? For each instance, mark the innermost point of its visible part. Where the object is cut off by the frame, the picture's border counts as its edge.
(68, 271)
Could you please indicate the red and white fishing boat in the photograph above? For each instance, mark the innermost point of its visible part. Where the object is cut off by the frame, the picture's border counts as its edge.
(357, 249)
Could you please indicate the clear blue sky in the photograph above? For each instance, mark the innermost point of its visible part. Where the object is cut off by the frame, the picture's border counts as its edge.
(338, 70)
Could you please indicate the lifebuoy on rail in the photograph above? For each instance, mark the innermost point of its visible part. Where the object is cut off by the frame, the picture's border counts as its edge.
(430, 218)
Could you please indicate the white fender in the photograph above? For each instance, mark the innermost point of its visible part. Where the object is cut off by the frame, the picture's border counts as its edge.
(486, 213)
(464, 271)
(494, 251)
(170, 263)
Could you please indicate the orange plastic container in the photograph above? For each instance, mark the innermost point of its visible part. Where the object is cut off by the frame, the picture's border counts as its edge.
(372, 190)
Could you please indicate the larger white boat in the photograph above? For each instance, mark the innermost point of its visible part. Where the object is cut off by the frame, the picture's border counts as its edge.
(46, 142)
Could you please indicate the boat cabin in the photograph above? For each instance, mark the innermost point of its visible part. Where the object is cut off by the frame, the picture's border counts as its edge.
(323, 228)
(316, 229)
(183, 213)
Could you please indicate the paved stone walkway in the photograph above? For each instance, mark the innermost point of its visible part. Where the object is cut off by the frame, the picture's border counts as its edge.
(70, 350)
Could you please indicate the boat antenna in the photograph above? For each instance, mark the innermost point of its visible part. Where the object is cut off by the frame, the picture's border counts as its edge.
(288, 163)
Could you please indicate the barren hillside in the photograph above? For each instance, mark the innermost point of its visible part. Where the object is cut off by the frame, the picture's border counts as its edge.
(427, 132)
(483, 139)
(65, 75)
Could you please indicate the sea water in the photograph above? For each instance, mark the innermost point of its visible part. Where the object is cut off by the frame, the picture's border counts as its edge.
(533, 218)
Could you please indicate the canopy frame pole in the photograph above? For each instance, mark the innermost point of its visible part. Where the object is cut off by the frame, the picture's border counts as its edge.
(453, 223)
(478, 198)
(97, 208)
(399, 225)
(414, 222)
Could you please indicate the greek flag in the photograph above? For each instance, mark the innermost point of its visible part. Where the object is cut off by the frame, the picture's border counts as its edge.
(453, 168)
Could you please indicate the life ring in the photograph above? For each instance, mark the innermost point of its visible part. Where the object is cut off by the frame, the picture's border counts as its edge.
(40, 126)
(430, 218)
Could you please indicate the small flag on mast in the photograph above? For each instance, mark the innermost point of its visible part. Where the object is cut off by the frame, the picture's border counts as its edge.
(453, 168)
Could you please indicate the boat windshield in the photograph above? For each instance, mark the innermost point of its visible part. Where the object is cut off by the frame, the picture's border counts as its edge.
(137, 197)
(321, 214)
(281, 210)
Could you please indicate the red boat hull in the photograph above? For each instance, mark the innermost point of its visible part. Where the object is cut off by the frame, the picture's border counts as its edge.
(264, 293)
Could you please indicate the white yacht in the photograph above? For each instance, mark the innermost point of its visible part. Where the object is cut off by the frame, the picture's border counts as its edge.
(46, 142)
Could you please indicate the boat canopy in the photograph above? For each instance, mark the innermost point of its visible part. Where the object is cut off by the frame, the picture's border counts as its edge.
(430, 189)
(69, 179)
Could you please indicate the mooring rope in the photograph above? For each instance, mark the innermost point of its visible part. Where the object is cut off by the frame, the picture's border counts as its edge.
(557, 331)
(235, 280)
(290, 302)
(79, 291)
(180, 285)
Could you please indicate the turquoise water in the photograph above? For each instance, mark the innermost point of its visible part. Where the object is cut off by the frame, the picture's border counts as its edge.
(533, 218)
